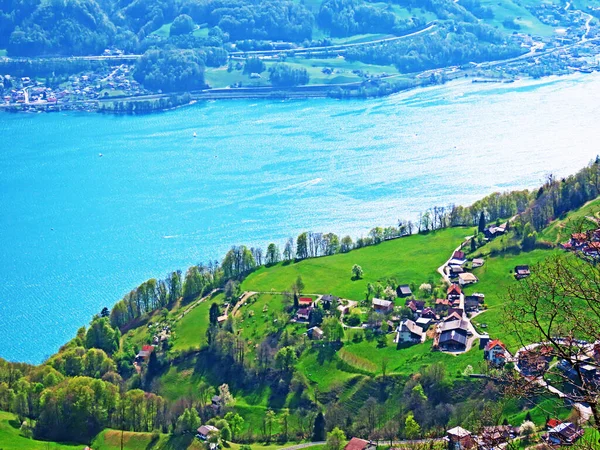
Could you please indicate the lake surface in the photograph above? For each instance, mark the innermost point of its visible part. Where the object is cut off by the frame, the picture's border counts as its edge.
(77, 230)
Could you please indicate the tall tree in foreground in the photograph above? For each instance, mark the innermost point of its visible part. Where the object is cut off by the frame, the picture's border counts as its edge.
(559, 306)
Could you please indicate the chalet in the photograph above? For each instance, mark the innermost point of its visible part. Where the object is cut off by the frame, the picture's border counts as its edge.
(495, 231)
(458, 438)
(415, 305)
(428, 313)
(532, 363)
(467, 278)
(578, 240)
(452, 317)
(455, 271)
(305, 302)
(456, 262)
(424, 323)
(205, 431)
(495, 352)
(303, 314)
(404, 290)
(144, 353)
(472, 303)
(522, 272)
(478, 262)
(442, 304)
(492, 438)
(343, 309)
(458, 255)
(551, 423)
(563, 434)
(592, 249)
(315, 333)
(454, 335)
(409, 331)
(359, 444)
(383, 306)
(329, 300)
(454, 292)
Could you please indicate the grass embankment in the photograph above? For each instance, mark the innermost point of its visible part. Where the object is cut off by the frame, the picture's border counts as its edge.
(10, 437)
(560, 229)
(412, 259)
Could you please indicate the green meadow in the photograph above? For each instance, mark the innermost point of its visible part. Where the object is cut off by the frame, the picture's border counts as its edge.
(412, 259)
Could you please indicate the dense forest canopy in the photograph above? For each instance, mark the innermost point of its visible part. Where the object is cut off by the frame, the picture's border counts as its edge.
(83, 27)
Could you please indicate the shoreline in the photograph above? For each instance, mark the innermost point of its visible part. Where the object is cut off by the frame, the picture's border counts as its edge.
(347, 91)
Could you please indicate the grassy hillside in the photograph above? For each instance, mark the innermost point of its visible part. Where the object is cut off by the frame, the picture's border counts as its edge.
(11, 438)
(495, 279)
(412, 259)
(560, 229)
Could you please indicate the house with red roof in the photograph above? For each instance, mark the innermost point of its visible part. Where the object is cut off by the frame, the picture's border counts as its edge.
(495, 352)
(359, 444)
(305, 302)
(454, 292)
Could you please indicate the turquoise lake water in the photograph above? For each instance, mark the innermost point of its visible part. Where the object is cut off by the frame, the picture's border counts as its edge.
(77, 230)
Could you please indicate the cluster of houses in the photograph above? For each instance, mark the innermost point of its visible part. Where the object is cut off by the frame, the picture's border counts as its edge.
(452, 328)
(27, 93)
(497, 437)
(587, 243)
(457, 270)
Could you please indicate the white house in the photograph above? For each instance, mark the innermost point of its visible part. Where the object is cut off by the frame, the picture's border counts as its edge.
(409, 332)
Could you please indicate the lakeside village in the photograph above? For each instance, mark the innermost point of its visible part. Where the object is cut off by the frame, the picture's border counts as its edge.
(572, 48)
(447, 323)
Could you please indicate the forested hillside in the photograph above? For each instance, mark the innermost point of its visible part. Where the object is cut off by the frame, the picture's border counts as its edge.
(81, 27)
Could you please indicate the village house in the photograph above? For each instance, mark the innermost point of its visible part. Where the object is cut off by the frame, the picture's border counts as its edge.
(494, 231)
(303, 313)
(495, 352)
(409, 332)
(305, 302)
(454, 292)
(442, 304)
(467, 278)
(416, 306)
(205, 430)
(563, 434)
(144, 354)
(315, 333)
(382, 306)
(424, 323)
(495, 437)
(532, 363)
(329, 301)
(522, 272)
(453, 335)
(477, 262)
(578, 240)
(452, 316)
(428, 313)
(455, 271)
(403, 290)
(592, 249)
(458, 439)
(472, 303)
(360, 444)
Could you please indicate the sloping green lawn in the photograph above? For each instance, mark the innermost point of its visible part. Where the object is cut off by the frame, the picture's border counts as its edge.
(10, 437)
(560, 229)
(412, 259)
(495, 279)
(190, 331)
